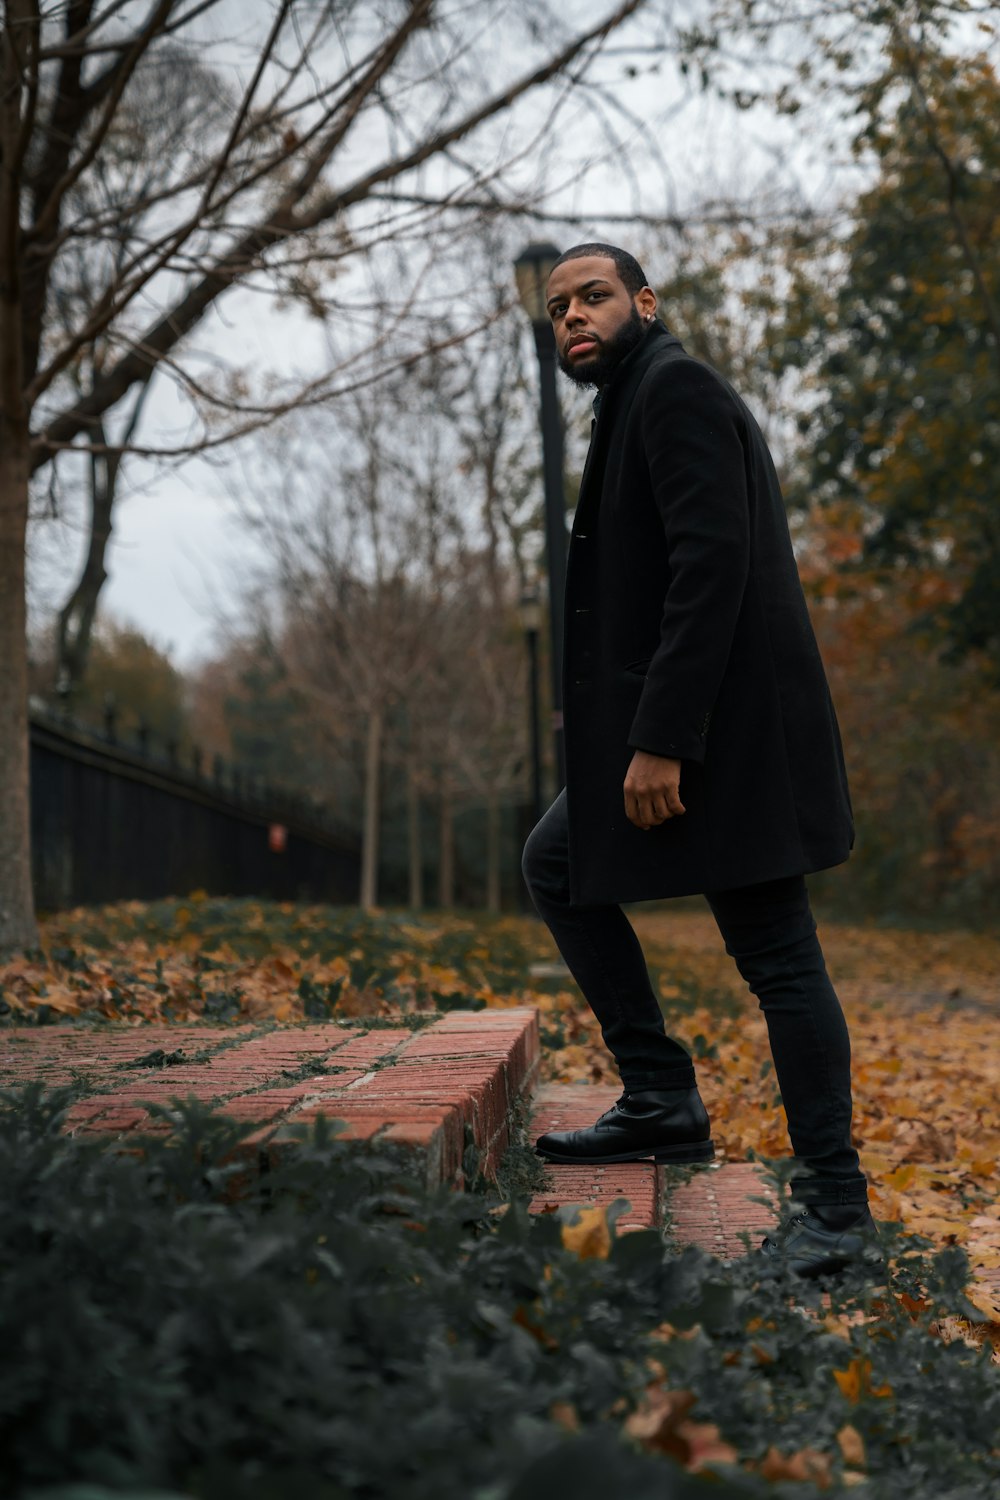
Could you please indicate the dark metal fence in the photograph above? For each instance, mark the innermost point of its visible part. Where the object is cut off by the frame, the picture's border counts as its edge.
(109, 823)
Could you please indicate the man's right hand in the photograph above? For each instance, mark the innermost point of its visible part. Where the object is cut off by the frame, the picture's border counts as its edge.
(652, 790)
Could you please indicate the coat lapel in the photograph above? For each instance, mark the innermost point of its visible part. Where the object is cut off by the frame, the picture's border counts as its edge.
(617, 397)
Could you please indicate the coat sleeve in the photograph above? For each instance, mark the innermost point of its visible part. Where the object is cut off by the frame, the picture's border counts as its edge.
(692, 435)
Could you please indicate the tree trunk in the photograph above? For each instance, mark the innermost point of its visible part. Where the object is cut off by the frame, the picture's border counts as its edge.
(493, 852)
(415, 845)
(446, 868)
(17, 910)
(76, 618)
(370, 828)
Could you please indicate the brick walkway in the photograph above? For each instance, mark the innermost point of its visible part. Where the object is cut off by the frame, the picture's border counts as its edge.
(435, 1089)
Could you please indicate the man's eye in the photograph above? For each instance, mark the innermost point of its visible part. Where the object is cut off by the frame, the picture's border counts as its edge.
(598, 295)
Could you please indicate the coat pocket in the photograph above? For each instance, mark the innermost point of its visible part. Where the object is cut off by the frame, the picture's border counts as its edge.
(638, 668)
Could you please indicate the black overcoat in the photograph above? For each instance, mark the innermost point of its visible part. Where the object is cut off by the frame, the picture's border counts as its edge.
(687, 635)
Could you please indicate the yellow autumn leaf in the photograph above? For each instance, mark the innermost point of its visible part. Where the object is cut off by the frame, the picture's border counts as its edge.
(590, 1236)
(987, 1301)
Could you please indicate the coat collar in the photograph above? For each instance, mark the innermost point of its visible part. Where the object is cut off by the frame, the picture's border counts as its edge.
(616, 394)
(633, 367)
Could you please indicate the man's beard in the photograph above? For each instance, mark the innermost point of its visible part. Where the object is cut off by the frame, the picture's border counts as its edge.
(597, 370)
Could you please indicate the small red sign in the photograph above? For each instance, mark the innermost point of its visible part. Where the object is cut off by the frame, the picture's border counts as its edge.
(277, 838)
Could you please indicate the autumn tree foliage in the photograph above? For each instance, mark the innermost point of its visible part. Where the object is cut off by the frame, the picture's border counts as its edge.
(902, 347)
(887, 306)
(870, 326)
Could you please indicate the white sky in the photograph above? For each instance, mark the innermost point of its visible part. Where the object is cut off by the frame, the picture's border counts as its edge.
(180, 555)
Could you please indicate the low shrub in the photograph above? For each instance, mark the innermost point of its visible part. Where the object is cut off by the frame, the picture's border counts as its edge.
(175, 1326)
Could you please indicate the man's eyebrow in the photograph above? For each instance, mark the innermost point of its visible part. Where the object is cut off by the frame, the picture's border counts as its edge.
(594, 281)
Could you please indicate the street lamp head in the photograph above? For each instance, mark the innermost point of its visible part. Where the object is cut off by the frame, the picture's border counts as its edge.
(531, 271)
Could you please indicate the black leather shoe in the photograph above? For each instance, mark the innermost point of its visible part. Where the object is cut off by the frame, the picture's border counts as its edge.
(645, 1125)
(822, 1241)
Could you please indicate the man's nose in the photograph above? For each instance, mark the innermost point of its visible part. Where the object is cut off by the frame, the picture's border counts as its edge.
(574, 314)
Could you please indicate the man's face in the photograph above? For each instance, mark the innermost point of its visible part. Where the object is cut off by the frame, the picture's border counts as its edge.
(596, 321)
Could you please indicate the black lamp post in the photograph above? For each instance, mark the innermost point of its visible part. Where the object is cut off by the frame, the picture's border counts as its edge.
(531, 620)
(531, 270)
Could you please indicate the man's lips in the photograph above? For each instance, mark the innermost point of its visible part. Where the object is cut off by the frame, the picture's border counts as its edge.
(580, 346)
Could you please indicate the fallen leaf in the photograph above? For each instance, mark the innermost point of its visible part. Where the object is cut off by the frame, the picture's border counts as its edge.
(856, 1381)
(808, 1466)
(590, 1236)
(852, 1446)
(662, 1425)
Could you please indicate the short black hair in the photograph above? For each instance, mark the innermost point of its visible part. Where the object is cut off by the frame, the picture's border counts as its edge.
(632, 276)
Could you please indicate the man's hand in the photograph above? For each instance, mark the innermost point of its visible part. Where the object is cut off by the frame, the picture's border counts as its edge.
(652, 790)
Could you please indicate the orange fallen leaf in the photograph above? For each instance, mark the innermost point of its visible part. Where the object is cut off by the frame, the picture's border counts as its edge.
(856, 1381)
(590, 1236)
(808, 1466)
(531, 1324)
(852, 1446)
(565, 1415)
(662, 1424)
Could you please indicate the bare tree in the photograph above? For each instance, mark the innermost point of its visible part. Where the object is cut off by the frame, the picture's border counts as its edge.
(280, 189)
(351, 550)
(406, 526)
(481, 684)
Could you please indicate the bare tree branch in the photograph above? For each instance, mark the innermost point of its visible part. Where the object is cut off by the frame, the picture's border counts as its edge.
(234, 265)
(318, 392)
(281, 223)
(111, 87)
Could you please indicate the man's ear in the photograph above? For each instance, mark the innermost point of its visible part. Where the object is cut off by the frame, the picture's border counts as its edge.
(646, 303)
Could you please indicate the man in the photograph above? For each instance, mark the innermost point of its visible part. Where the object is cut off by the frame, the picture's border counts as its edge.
(702, 750)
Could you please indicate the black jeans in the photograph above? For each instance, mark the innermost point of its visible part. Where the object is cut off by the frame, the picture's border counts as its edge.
(769, 930)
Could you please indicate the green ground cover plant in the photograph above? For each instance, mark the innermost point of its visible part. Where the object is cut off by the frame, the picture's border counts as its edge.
(177, 1324)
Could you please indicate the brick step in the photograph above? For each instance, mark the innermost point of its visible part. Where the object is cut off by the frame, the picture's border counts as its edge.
(569, 1107)
(716, 1207)
(711, 1210)
(433, 1088)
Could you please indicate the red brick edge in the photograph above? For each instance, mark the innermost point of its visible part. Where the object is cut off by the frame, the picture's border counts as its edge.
(434, 1090)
